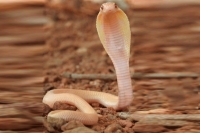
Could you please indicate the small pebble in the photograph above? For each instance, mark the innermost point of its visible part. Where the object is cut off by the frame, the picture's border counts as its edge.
(113, 128)
(124, 115)
(71, 125)
(81, 50)
(125, 123)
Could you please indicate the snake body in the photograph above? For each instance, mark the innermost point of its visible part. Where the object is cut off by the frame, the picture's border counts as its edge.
(114, 32)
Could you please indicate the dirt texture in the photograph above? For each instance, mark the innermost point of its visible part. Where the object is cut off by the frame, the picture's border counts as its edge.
(54, 44)
(22, 50)
(164, 40)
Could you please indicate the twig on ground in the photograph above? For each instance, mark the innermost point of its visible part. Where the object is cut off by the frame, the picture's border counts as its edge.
(138, 117)
(133, 76)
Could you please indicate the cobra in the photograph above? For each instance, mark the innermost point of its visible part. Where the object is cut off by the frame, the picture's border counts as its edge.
(114, 32)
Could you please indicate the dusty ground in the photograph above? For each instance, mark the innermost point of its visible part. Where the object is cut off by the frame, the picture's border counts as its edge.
(165, 40)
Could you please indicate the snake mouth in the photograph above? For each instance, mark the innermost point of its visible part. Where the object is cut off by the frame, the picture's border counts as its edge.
(109, 7)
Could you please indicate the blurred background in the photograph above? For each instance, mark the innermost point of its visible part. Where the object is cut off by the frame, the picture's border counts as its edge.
(42, 39)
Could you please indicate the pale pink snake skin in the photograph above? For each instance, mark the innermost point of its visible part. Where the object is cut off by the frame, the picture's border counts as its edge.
(114, 32)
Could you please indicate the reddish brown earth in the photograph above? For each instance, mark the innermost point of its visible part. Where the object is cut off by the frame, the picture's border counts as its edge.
(163, 41)
(44, 39)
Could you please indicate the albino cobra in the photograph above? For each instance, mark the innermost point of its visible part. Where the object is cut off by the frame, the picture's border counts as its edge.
(114, 32)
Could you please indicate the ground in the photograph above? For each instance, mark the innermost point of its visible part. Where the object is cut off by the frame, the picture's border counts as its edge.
(42, 40)
(163, 41)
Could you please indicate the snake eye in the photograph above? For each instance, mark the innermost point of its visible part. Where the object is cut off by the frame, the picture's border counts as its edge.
(101, 7)
(115, 5)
